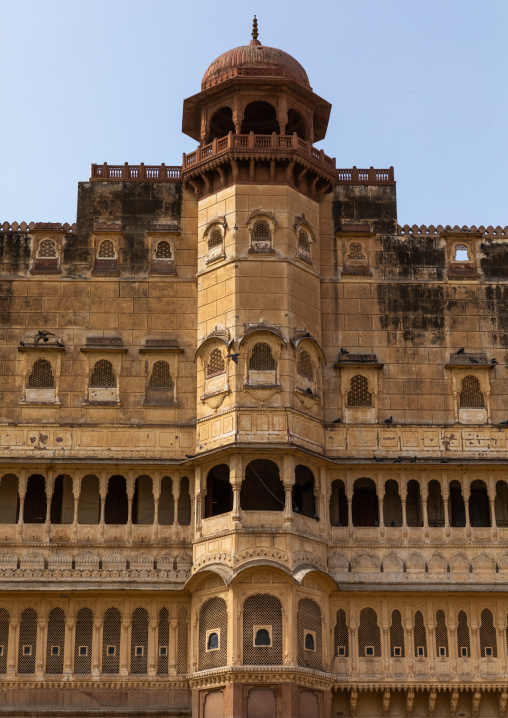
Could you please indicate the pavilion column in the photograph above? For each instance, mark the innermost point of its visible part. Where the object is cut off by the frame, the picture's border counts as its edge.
(288, 479)
(125, 646)
(175, 487)
(173, 646)
(12, 651)
(130, 485)
(40, 649)
(76, 490)
(156, 491)
(446, 496)
(96, 647)
(22, 494)
(70, 623)
(235, 478)
(152, 646)
(49, 487)
(103, 490)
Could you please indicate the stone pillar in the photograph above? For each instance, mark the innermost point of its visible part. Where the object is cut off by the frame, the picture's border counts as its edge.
(125, 646)
(475, 645)
(467, 495)
(49, 486)
(431, 644)
(445, 494)
(152, 646)
(22, 493)
(70, 623)
(76, 490)
(349, 498)
(130, 483)
(236, 478)
(12, 651)
(199, 494)
(175, 488)
(288, 479)
(173, 645)
(410, 652)
(103, 490)
(353, 646)
(380, 503)
(452, 646)
(156, 490)
(40, 649)
(491, 489)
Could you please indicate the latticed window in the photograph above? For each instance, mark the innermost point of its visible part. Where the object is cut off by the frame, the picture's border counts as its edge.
(441, 635)
(341, 634)
(470, 395)
(47, 249)
(83, 642)
(488, 639)
(213, 617)
(304, 365)
(27, 641)
(463, 641)
(419, 636)
(359, 394)
(308, 622)
(111, 632)
(369, 635)
(163, 250)
(261, 358)
(41, 376)
(262, 610)
(163, 642)
(160, 377)
(4, 638)
(55, 642)
(139, 642)
(461, 254)
(397, 644)
(261, 230)
(106, 250)
(215, 238)
(216, 364)
(183, 641)
(356, 252)
(303, 241)
(103, 375)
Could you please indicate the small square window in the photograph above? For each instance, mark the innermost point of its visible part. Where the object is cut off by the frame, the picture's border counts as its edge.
(55, 650)
(397, 652)
(139, 651)
(262, 636)
(442, 651)
(489, 652)
(464, 653)
(341, 651)
(213, 640)
(83, 651)
(111, 650)
(1, 650)
(163, 650)
(369, 651)
(420, 652)
(27, 650)
(309, 640)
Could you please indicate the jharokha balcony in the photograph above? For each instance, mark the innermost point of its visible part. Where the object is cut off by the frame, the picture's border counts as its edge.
(265, 159)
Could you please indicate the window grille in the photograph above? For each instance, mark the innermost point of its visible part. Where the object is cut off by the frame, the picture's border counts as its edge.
(163, 250)
(341, 633)
(359, 394)
(303, 241)
(441, 634)
(41, 376)
(161, 376)
(162, 640)
(463, 635)
(215, 239)
(106, 250)
(103, 375)
(487, 634)
(262, 610)
(111, 632)
(47, 249)
(261, 230)
(83, 638)
(139, 639)
(4, 638)
(183, 641)
(461, 254)
(304, 366)
(213, 617)
(55, 638)
(369, 633)
(216, 364)
(470, 396)
(308, 622)
(262, 358)
(419, 636)
(356, 252)
(397, 636)
(27, 637)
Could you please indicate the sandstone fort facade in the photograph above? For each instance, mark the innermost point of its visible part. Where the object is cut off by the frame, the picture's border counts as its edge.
(253, 434)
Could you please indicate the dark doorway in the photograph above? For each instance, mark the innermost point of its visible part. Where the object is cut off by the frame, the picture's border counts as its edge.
(457, 508)
(116, 508)
(34, 511)
(338, 504)
(365, 503)
(304, 501)
(219, 494)
(479, 513)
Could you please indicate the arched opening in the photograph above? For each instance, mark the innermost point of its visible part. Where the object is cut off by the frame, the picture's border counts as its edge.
(139, 642)
(261, 118)
(103, 375)
(166, 502)
(262, 489)
(182, 659)
(34, 511)
(414, 513)
(143, 507)
(89, 501)
(341, 635)
(392, 505)
(304, 500)
(419, 636)
(62, 501)
(9, 499)
(262, 630)
(365, 503)
(184, 503)
(116, 506)
(479, 510)
(441, 635)
(338, 504)
(435, 506)
(27, 646)
(221, 124)
(111, 635)
(397, 647)
(83, 642)
(456, 504)
(219, 494)
(55, 643)
(308, 623)
(163, 642)
(369, 635)
(463, 640)
(500, 505)
(296, 124)
(41, 376)
(488, 638)
(213, 634)
(5, 620)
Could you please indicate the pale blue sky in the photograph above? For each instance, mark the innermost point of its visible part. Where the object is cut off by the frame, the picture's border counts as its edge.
(420, 85)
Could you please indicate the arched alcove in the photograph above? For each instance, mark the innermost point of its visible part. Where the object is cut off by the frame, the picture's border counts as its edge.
(219, 494)
(262, 489)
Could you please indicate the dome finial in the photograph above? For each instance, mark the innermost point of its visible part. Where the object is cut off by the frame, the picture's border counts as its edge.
(255, 33)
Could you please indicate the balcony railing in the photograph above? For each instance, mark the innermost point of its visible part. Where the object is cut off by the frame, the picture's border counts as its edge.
(135, 173)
